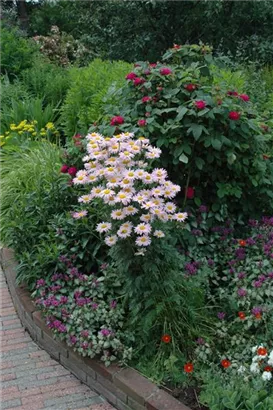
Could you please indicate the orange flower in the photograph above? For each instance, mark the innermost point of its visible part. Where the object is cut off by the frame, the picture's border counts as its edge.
(268, 369)
(188, 367)
(166, 338)
(241, 315)
(262, 351)
(258, 315)
(242, 242)
(225, 363)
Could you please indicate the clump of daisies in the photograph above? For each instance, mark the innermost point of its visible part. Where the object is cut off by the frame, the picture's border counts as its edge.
(138, 198)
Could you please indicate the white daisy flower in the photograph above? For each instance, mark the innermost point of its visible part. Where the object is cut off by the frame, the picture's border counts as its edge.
(118, 214)
(143, 241)
(111, 240)
(130, 210)
(170, 207)
(143, 228)
(181, 216)
(159, 234)
(103, 227)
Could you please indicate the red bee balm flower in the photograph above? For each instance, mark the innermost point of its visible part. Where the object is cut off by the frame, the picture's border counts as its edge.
(265, 156)
(141, 123)
(176, 46)
(188, 368)
(244, 97)
(268, 369)
(165, 71)
(64, 169)
(138, 81)
(225, 363)
(190, 87)
(153, 65)
(146, 99)
(233, 93)
(190, 192)
(200, 104)
(72, 171)
(258, 315)
(118, 120)
(241, 315)
(166, 338)
(242, 242)
(234, 115)
(262, 351)
(131, 76)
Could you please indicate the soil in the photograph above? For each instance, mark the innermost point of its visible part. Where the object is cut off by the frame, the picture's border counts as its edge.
(189, 397)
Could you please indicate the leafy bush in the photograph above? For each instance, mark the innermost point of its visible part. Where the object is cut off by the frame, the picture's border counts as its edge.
(211, 135)
(46, 81)
(85, 97)
(61, 48)
(17, 53)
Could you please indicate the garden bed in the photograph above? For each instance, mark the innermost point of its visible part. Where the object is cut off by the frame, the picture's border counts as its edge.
(123, 387)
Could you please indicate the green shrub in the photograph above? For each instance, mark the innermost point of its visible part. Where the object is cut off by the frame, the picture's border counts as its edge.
(17, 53)
(46, 81)
(85, 97)
(211, 135)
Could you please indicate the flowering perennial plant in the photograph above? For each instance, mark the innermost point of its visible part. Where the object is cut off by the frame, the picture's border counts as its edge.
(138, 202)
(262, 362)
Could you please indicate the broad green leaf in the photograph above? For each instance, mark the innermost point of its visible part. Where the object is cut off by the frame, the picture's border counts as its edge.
(184, 158)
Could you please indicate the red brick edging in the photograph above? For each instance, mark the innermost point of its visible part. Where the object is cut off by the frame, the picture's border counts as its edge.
(125, 388)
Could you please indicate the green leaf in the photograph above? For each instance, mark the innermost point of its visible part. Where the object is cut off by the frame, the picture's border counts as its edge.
(216, 144)
(184, 158)
(196, 130)
(181, 112)
(199, 163)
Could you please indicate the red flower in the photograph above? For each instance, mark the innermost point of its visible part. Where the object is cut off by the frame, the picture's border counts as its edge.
(219, 102)
(265, 128)
(153, 65)
(234, 115)
(265, 156)
(241, 315)
(176, 46)
(165, 71)
(77, 136)
(190, 87)
(268, 369)
(146, 99)
(190, 192)
(200, 104)
(131, 76)
(258, 315)
(118, 120)
(139, 81)
(188, 368)
(262, 351)
(137, 65)
(64, 169)
(244, 97)
(225, 363)
(166, 338)
(141, 123)
(72, 171)
(242, 242)
(147, 72)
(233, 93)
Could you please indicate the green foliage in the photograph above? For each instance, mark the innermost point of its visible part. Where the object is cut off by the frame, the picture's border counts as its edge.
(85, 97)
(17, 53)
(235, 394)
(221, 157)
(46, 81)
(102, 25)
(32, 192)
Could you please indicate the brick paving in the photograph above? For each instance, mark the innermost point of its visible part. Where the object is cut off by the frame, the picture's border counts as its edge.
(30, 379)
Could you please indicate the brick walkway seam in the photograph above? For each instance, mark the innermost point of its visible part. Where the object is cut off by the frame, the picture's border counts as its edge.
(30, 379)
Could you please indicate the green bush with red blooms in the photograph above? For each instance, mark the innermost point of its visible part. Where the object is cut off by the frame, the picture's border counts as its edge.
(215, 144)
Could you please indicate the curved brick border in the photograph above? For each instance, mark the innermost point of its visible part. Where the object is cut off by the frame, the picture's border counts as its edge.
(125, 388)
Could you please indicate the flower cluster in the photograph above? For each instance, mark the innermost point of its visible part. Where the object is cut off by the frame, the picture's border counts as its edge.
(138, 201)
(262, 362)
(81, 309)
(29, 130)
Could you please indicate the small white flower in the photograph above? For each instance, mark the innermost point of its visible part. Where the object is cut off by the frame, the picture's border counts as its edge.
(130, 210)
(118, 214)
(254, 368)
(104, 227)
(159, 234)
(181, 216)
(143, 241)
(143, 229)
(111, 240)
(241, 370)
(266, 376)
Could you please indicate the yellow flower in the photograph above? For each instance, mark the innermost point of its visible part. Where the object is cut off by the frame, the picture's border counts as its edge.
(2, 143)
(34, 122)
(7, 133)
(20, 132)
(2, 136)
(42, 133)
(34, 134)
(42, 129)
(13, 127)
(49, 125)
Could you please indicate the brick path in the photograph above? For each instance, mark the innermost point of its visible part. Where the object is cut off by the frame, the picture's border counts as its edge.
(30, 379)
